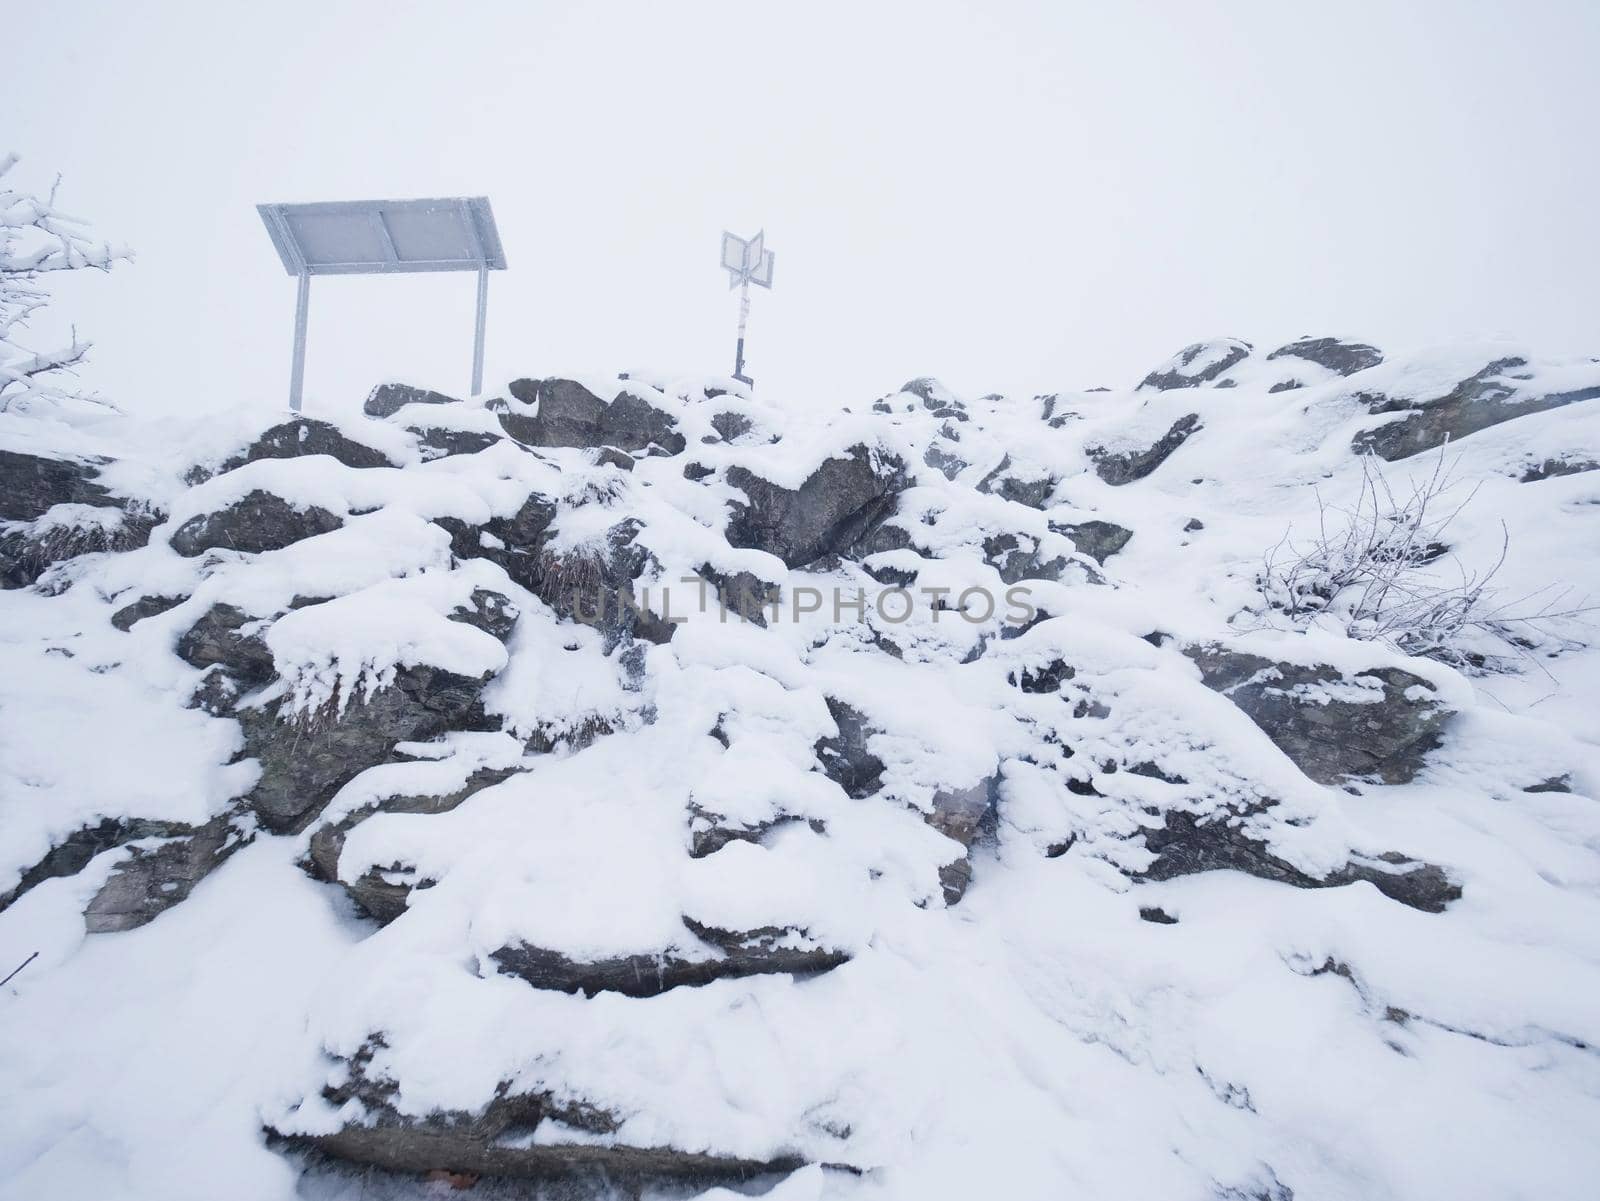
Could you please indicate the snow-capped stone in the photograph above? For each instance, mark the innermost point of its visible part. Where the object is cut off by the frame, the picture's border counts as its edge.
(840, 502)
(1500, 391)
(1197, 364)
(297, 438)
(257, 522)
(1376, 723)
(388, 399)
(160, 870)
(31, 485)
(1340, 357)
(1124, 467)
(568, 414)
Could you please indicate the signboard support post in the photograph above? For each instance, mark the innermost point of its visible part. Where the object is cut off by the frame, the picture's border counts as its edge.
(744, 315)
(477, 338)
(297, 374)
(747, 261)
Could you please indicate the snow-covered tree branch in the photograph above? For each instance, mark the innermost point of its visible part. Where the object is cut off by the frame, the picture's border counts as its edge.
(37, 237)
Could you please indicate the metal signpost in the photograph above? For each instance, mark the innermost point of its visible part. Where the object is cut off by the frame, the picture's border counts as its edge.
(380, 237)
(746, 262)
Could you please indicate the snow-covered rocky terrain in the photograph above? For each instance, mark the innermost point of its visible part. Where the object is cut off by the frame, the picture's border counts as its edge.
(627, 787)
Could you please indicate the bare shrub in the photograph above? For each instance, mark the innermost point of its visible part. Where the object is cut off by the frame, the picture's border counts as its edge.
(1381, 570)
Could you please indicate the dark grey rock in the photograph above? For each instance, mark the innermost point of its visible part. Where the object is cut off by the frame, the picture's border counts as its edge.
(1486, 398)
(1182, 375)
(844, 756)
(259, 521)
(1015, 561)
(375, 896)
(570, 415)
(742, 953)
(218, 640)
(297, 438)
(1552, 468)
(28, 551)
(515, 542)
(731, 426)
(1127, 466)
(966, 815)
(594, 585)
(129, 615)
(1003, 481)
(306, 758)
(440, 442)
(1346, 358)
(497, 1141)
(1097, 539)
(152, 879)
(943, 461)
(710, 832)
(1386, 739)
(839, 503)
(1186, 844)
(492, 612)
(1152, 913)
(30, 485)
(742, 592)
(388, 399)
(73, 853)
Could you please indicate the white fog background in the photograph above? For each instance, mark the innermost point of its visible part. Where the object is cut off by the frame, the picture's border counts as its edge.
(1010, 196)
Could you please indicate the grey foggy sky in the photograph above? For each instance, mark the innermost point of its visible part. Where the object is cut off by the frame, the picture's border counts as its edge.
(1011, 196)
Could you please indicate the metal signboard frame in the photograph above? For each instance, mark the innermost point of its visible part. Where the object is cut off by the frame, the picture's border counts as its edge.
(383, 237)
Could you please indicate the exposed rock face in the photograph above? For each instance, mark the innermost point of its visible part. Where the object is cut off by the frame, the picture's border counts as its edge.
(594, 585)
(731, 426)
(964, 814)
(513, 542)
(1126, 466)
(1378, 724)
(1198, 364)
(260, 521)
(136, 611)
(742, 592)
(302, 436)
(65, 532)
(498, 1141)
(440, 442)
(304, 762)
(1345, 358)
(1552, 468)
(845, 758)
(1018, 558)
(388, 399)
(31, 485)
(570, 415)
(156, 877)
(840, 502)
(1184, 845)
(768, 951)
(1034, 491)
(380, 898)
(1491, 396)
(1097, 539)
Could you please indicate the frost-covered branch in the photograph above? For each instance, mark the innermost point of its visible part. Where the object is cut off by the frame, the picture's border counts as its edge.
(35, 238)
(1381, 570)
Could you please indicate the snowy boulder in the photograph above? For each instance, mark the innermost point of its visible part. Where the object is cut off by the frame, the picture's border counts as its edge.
(508, 1137)
(259, 521)
(136, 611)
(378, 893)
(30, 485)
(936, 398)
(1124, 467)
(568, 414)
(965, 815)
(1342, 358)
(1376, 723)
(844, 756)
(388, 399)
(1502, 390)
(1554, 468)
(841, 501)
(1030, 486)
(593, 582)
(723, 955)
(225, 642)
(513, 542)
(1197, 364)
(1097, 539)
(64, 532)
(1018, 557)
(160, 870)
(297, 438)
(1186, 844)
